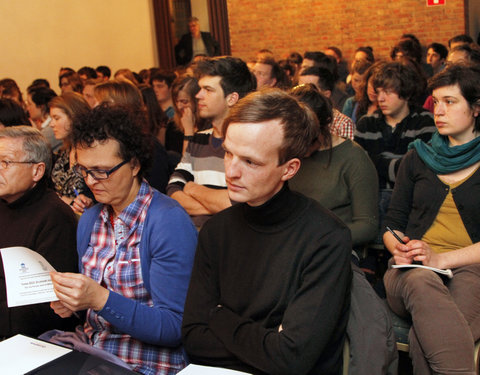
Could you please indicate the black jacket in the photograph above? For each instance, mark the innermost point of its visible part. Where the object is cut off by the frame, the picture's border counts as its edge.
(184, 50)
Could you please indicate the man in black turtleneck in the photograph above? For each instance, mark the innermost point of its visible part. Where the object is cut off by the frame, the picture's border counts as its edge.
(33, 216)
(270, 287)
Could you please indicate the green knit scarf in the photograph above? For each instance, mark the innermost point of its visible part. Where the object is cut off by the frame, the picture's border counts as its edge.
(443, 159)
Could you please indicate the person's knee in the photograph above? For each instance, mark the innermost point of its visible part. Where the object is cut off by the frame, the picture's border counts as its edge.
(420, 283)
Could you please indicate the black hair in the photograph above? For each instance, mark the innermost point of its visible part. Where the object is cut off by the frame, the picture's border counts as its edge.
(461, 38)
(326, 81)
(440, 49)
(367, 50)
(41, 96)
(40, 82)
(468, 80)
(12, 113)
(234, 73)
(156, 116)
(295, 58)
(105, 70)
(88, 71)
(321, 105)
(120, 124)
(409, 48)
(166, 76)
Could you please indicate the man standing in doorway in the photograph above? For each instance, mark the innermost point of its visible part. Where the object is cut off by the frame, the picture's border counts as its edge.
(195, 43)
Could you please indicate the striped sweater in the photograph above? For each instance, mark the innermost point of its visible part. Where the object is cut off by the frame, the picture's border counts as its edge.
(386, 145)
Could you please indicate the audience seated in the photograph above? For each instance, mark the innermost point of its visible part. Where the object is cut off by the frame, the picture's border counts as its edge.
(321, 60)
(12, 113)
(342, 65)
(70, 187)
(70, 81)
(385, 135)
(10, 90)
(464, 54)
(338, 174)
(135, 266)
(436, 56)
(103, 73)
(367, 102)
(161, 81)
(270, 287)
(33, 216)
(37, 108)
(361, 54)
(89, 92)
(359, 74)
(324, 81)
(459, 40)
(434, 210)
(186, 121)
(86, 73)
(269, 74)
(125, 74)
(198, 182)
(125, 93)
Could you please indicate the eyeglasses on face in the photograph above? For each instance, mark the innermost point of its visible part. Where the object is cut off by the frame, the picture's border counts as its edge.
(5, 164)
(97, 174)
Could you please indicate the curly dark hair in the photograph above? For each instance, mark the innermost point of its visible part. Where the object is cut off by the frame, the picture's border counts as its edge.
(120, 124)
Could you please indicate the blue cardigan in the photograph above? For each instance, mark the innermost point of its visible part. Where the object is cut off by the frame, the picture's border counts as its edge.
(167, 249)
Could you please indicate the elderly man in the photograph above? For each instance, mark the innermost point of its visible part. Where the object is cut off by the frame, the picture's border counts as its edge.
(33, 216)
(195, 43)
(270, 287)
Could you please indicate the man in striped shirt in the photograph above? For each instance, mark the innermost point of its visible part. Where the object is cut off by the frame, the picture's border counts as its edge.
(198, 182)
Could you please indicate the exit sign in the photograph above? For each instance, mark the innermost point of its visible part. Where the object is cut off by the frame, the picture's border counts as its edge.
(431, 3)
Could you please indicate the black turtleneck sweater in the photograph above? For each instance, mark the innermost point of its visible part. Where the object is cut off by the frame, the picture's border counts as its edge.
(40, 221)
(285, 263)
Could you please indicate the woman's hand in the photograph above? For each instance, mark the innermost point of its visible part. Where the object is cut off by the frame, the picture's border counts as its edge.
(60, 309)
(78, 292)
(400, 251)
(188, 121)
(421, 251)
(81, 203)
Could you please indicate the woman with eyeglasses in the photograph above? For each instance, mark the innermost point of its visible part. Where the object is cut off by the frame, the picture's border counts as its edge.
(135, 247)
(64, 109)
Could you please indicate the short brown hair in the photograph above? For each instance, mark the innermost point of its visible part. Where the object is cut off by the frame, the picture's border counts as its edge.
(300, 125)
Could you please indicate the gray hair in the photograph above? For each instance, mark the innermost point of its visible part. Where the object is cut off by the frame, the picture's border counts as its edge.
(35, 145)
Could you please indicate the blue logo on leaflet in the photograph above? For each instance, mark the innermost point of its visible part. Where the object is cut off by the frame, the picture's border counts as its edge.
(23, 268)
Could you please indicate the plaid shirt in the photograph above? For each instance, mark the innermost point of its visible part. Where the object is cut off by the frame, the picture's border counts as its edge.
(342, 125)
(113, 260)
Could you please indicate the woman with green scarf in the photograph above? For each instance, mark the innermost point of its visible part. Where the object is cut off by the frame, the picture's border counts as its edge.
(435, 210)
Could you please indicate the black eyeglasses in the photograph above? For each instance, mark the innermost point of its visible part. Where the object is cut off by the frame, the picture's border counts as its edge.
(5, 164)
(97, 174)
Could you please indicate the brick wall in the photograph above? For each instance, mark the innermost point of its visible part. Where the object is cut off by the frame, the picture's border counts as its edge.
(299, 25)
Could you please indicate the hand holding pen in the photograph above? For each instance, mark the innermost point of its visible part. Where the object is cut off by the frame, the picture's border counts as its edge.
(403, 256)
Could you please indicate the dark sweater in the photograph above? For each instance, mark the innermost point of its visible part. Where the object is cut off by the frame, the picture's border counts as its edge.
(40, 221)
(418, 196)
(285, 263)
(386, 145)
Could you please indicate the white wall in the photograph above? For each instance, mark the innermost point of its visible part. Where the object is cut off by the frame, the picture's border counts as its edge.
(200, 10)
(39, 36)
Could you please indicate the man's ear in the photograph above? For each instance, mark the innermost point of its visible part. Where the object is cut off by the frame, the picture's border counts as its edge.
(232, 98)
(291, 168)
(327, 93)
(274, 82)
(38, 171)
